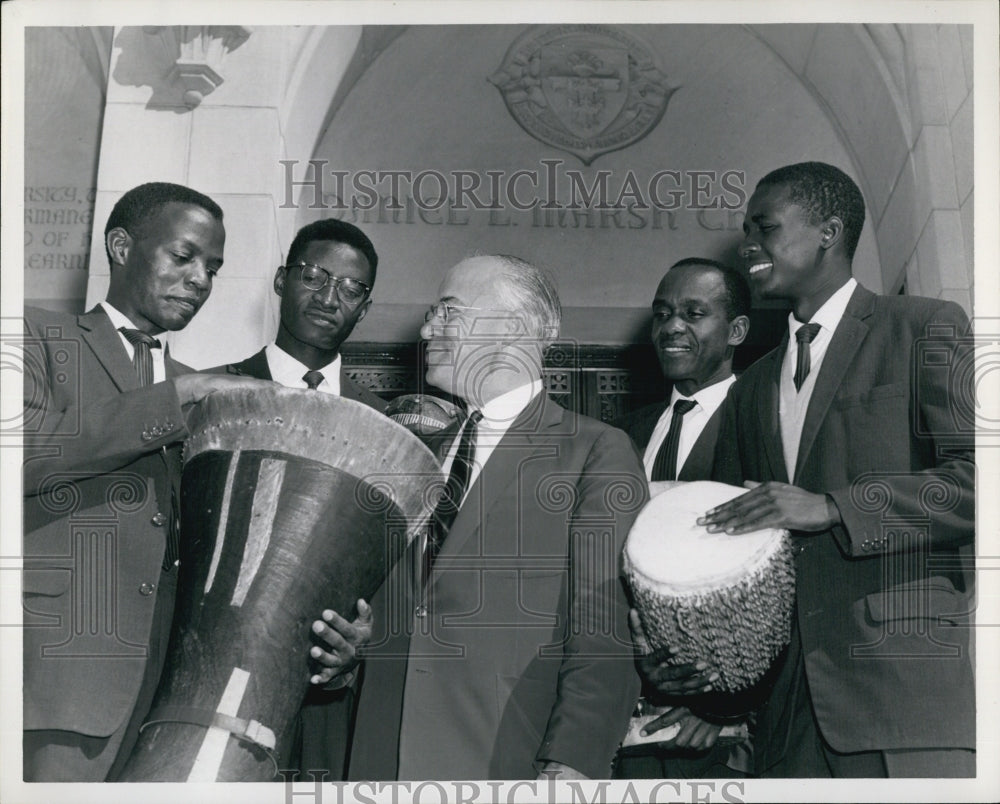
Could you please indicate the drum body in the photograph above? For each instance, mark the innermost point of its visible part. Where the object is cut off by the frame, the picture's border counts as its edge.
(720, 599)
(292, 502)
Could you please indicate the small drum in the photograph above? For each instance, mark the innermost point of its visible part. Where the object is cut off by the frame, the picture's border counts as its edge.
(712, 597)
(423, 415)
(292, 502)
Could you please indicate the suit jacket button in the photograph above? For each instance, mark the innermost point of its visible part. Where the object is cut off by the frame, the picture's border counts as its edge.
(146, 589)
(420, 611)
(158, 519)
(146, 435)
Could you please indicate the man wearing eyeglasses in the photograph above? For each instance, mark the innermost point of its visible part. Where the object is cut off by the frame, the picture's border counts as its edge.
(500, 647)
(325, 288)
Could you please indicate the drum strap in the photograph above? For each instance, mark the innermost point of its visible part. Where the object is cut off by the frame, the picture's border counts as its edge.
(250, 731)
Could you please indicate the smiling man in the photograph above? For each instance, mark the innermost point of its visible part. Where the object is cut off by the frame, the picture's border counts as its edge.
(850, 433)
(104, 418)
(500, 648)
(700, 315)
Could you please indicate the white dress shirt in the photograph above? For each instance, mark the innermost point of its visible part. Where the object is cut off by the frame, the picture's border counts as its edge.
(119, 320)
(498, 416)
(288, 371)
(707, 401)
(793, 404)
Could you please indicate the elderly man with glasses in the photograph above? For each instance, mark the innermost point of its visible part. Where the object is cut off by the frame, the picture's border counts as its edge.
(500, 648)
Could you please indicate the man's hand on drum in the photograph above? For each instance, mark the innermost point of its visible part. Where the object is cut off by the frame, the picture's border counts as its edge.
(344, 641)
(773, 505)
(192, 388)
(695, 734)
(659, 668)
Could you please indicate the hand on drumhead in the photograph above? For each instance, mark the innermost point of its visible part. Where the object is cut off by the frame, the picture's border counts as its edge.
(772, 505)
(192, 388)
(660, 669)
(344, 642)
(695, 734)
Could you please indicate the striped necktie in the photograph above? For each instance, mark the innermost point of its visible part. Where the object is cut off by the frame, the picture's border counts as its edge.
(142, 357)
(665, 465)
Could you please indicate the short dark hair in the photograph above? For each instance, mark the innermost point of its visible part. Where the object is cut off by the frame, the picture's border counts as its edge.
(738, 299)
(140, 203)
(337, 231)
(823, 191)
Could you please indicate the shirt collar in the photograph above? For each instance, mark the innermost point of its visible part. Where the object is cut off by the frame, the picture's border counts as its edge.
(501, 411)
(288, 371)
(829, 315)
(709, 397)
(118, 318)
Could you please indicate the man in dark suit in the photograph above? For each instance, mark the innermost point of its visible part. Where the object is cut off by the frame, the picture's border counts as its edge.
(500, 648)
(852, 428)
(700, 315)
(104, 417)
(325, 288)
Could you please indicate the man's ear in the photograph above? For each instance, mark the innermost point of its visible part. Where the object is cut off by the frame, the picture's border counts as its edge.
(279, 279)
(118, 242)
(363, 310)
(739, 328)
(833, 231)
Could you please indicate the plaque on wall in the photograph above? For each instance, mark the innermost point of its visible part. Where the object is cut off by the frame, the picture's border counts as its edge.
(585, 89)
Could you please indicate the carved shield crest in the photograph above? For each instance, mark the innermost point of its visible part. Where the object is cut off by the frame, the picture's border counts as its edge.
(586, 89)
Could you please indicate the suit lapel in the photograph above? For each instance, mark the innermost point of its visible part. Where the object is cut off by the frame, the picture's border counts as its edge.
(642, 432)
(348, 388)
(698, 465)
(254, 366)
(501, 470)
(106, 344)
(768, 425)
(847, 338)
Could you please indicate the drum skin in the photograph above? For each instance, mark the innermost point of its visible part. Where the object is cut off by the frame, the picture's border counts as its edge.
(292, 502)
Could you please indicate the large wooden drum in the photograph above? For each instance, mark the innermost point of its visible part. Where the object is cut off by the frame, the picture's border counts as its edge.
(292, 502)
(724, 600)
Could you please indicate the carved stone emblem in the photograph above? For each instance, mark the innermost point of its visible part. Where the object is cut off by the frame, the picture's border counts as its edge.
(586, 89)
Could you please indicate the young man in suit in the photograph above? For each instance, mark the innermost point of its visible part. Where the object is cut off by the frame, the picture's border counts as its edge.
(700, 315)
(500, 648)
(851, 436)
(325, 288)
(104, 408)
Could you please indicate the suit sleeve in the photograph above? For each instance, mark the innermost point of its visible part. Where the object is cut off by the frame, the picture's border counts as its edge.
(598, 685)
(942, 490)
(66, 431)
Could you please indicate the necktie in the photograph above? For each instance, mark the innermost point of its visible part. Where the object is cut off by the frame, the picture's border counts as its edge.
(458, 481)
(804, 336)
(313, 378)
(665, 465)
(142, 358)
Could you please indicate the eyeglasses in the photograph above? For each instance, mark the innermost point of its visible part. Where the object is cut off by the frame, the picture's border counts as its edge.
(444, 311)
(316, 277)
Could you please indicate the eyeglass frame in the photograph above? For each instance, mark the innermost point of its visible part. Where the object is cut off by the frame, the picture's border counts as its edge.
(433, 312)
(336, 280)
